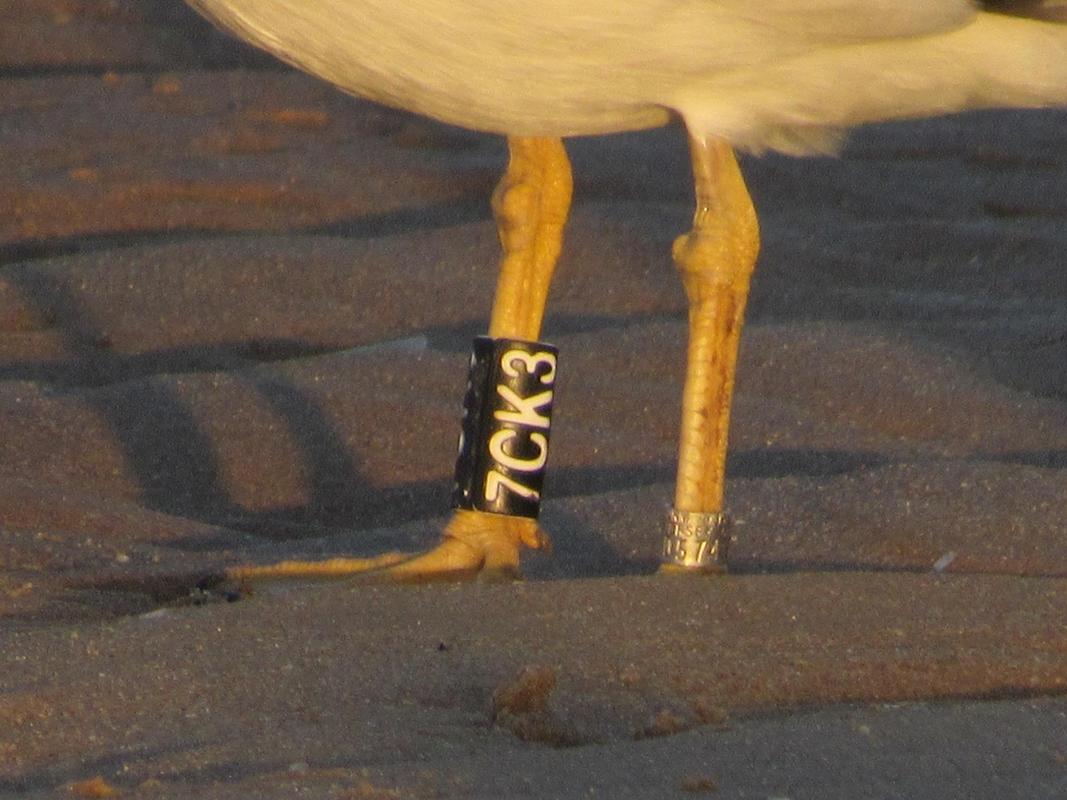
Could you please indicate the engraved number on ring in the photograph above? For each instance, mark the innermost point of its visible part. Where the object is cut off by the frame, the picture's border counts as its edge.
(525, 413)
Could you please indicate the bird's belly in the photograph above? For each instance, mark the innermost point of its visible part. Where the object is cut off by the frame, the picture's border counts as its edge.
(487, 79)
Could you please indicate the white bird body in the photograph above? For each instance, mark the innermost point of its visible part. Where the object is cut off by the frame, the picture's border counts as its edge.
(779, 74)
(789, 75)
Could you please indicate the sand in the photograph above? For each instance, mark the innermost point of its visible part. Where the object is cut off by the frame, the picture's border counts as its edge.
(236, 307)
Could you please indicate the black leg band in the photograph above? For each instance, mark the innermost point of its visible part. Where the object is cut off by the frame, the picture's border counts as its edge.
(507, 416)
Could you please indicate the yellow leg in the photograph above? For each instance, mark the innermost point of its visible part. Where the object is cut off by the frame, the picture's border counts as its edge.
(716, 260)
(530, 204)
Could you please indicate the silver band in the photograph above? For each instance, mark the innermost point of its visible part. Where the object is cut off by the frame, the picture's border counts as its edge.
(696, 539)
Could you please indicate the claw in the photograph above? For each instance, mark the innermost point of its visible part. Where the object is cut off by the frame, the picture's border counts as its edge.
(475, 544)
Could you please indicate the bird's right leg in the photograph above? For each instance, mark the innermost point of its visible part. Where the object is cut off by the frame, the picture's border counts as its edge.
(531, 205)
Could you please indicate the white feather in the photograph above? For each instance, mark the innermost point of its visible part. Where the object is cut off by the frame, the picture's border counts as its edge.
(780, 74)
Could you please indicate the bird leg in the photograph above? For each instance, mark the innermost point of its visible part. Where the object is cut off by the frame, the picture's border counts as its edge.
(716, 260)
(530, 204)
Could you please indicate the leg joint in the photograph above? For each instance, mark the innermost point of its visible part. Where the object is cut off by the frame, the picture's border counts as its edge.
(716, 255)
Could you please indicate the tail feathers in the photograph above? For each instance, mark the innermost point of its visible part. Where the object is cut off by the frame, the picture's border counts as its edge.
(1018, 62)
(1046, 10)
(801, 105)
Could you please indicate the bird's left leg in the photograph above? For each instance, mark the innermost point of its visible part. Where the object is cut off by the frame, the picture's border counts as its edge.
(531, 204)
(716, 260)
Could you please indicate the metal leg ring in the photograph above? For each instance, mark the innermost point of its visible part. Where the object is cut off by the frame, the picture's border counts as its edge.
(697, 540)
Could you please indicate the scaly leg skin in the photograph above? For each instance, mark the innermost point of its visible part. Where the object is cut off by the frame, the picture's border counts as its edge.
(716, 260)
(531, 205)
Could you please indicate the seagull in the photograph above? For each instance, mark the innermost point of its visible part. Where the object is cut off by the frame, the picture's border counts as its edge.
(752, 75)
